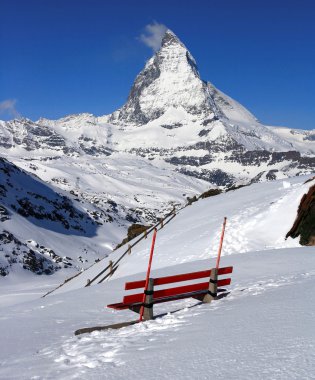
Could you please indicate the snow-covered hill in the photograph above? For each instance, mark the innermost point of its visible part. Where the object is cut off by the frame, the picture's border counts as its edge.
(259, 216)
(263, 329)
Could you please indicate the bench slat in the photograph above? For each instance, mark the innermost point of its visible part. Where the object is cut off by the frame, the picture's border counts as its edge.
(122, 306)
(177, 278)
(134, 298)
(118, 306)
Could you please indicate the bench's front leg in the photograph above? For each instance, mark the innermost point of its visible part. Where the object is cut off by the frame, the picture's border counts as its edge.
(148, 303)
(213, 287)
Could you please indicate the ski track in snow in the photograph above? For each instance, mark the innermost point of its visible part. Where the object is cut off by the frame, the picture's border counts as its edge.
(113, 348)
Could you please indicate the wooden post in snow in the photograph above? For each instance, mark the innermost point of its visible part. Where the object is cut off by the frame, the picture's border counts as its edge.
(129, 249)
(110, 267)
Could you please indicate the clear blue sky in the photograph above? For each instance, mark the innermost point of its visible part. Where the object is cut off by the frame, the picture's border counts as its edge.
(69, 56)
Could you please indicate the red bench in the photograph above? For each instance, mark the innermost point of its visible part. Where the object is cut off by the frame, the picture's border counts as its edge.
(204, 291)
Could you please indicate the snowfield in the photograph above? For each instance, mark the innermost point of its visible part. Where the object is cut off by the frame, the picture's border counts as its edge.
(263, 329)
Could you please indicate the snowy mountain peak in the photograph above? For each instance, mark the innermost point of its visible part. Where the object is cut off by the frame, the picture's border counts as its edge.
(169, 93)
(173, 51)
(170, 38)
(170, 79)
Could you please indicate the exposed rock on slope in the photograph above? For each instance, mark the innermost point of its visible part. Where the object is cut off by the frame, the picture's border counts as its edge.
(32, 199)
(38, 260)
(304, 225)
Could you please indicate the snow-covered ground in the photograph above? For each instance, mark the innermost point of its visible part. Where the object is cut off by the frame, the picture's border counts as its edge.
(263, 329)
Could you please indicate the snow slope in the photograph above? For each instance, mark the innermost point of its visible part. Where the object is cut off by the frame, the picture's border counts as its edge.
(300, 139)
(259, 216)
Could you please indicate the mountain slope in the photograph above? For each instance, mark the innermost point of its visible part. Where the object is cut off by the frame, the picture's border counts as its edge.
(43, 231)
(170, 90)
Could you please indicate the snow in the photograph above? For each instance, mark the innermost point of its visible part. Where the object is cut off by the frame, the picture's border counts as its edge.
(301, 140)
(263, 329)
(22, 286)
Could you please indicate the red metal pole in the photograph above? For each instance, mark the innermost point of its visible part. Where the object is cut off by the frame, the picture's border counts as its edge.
(148, 273)
(221, 243)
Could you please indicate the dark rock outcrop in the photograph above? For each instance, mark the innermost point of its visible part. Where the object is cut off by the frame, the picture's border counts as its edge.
(304, 225)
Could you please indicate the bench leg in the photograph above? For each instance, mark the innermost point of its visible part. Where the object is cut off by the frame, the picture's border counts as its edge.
(213, 287)
(148, 303)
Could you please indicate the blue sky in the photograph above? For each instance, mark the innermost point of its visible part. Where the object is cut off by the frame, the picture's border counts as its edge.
(70, 56)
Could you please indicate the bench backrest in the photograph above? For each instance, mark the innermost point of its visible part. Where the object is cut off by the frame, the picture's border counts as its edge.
(134, 298)
(177, 278)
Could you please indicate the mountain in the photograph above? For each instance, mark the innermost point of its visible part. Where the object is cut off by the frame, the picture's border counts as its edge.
(175, 137)
(172, 113)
